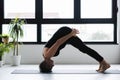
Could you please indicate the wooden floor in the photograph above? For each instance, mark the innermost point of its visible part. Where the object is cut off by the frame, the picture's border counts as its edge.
(5, 73)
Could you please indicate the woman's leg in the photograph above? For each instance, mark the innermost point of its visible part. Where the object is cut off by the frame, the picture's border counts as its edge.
(50, 52)
(58, 34)
(76, 42)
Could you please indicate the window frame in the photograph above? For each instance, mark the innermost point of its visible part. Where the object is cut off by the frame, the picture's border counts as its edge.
(76, 20)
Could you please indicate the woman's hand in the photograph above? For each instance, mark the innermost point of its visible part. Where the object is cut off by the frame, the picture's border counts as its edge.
(74, 32)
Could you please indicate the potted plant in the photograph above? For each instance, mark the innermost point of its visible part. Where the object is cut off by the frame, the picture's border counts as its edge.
(4, 48)
(5, 38)
(16, 32)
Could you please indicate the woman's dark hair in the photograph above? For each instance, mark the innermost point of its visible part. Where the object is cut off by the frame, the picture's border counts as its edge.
(44, 67)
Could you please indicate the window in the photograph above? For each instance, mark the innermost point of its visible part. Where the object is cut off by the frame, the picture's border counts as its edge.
(96, 8)
(19, 8)
(58, 8)
(95, 19)
(88, 32)
(30, 32)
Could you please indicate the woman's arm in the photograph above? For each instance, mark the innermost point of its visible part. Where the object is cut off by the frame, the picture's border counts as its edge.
(50, 52)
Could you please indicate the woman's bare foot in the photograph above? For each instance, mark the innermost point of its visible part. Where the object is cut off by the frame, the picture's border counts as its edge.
(103, 66)
(99, 67)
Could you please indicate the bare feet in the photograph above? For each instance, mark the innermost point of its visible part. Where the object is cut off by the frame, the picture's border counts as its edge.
(99, 67)
(103, 66)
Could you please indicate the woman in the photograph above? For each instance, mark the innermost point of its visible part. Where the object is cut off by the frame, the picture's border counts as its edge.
(63, 36)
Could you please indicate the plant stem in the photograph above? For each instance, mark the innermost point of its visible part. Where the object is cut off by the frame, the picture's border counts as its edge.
(14, 47)
(17, 45)
(0, 58)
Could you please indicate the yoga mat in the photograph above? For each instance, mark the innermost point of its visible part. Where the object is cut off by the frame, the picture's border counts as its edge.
(23, 71)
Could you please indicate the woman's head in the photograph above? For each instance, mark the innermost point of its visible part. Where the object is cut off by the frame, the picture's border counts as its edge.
(46, 66)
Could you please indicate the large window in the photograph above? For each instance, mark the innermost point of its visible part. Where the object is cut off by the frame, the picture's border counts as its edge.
(88, 32)
(96, 8)
(58, 8)
(95, 19)
(19, 8)
(29, 30)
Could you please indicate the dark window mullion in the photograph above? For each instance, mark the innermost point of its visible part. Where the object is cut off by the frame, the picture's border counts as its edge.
(38, 10)
(29, 21)
(38, 18)
(115, 33)
(96, 20)
(114, 17)
(76, 9)
(59, 21)
(1, 11)
(114, 9)
(1, 15)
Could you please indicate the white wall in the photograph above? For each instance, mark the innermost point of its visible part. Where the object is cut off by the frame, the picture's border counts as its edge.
(70, 55)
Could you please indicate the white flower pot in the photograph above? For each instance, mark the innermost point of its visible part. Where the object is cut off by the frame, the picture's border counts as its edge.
(15, 60)
(1, 63)
(4, 58)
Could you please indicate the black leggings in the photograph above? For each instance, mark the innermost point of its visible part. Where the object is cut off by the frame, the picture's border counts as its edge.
(74, 41)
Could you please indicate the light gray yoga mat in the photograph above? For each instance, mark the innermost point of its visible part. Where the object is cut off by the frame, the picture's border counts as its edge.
(22, 71)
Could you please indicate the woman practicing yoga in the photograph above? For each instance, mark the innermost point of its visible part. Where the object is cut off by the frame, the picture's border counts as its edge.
(63, 36)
